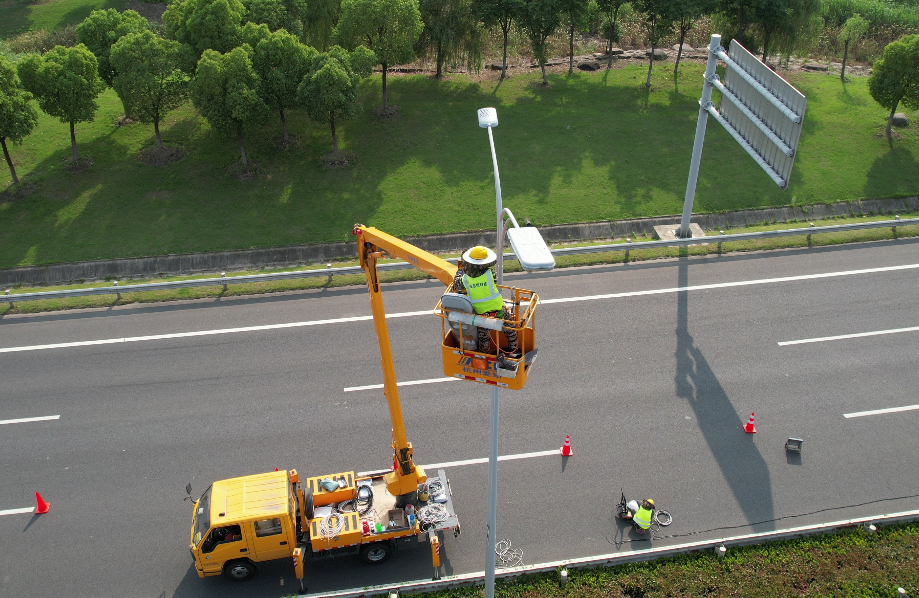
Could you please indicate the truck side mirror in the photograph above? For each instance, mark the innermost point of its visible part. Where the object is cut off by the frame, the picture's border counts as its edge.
(188, 491)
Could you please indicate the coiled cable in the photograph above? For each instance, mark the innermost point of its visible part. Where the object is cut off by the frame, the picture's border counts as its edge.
(430, 515)
(331, 525)
(509, 557)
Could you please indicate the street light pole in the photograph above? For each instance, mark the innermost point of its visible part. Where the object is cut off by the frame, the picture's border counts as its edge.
(488, 118)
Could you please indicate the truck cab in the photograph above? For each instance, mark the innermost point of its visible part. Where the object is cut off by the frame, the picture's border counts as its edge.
(243, 521)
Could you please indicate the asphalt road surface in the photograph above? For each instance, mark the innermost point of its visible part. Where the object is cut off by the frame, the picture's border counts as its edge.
(653, 380)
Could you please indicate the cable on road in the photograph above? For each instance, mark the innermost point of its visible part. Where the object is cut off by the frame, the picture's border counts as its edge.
(621, 529)
(509, 557)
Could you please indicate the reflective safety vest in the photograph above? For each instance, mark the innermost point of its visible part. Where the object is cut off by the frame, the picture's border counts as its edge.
(642, 518)
(483, 293)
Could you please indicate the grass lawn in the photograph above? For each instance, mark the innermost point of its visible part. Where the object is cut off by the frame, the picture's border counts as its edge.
(592, 146)
(28, 15)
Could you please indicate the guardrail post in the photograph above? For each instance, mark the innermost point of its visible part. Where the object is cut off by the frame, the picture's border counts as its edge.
(563, 577)
(894, 228)
(720, 232)
(809, 235)
(628, 243)
(224, 275)
(720, 551)
(10, 302)
(115, 284)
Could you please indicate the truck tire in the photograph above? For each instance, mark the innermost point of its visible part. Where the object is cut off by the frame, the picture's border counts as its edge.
(308, 503)
(239, 570)
(378, 552)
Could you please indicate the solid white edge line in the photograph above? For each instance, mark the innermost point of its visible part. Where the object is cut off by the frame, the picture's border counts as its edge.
(407, 383)
(845, 336)
(881, 411)
(427, 312)
(30, 419)
(485, 459)
(17, 511)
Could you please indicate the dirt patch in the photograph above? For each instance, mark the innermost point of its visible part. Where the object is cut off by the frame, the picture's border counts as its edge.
(80, 164)
(123, 121)
(386, 113)
(243, 172)
(337, 159)
(151, 11)
(161, 156)
(13, 192)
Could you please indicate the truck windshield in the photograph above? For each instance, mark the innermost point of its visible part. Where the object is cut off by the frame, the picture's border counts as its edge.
(202, 516)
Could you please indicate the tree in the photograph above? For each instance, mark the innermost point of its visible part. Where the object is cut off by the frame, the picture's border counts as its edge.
(225, 90)
(852, 31)
(65, 81)
(329, 91)
(574, 14)
(319, 20)
(539, 19)
(149, 80)
(610, 10)
(656, 22)
(276, 14)
(17, 117)
(498, 13)
(101, 29)
(205, 24)
(389, 28)
(895, 77)
(451, 28)
(685, 13)
(281, 62)
(782, 20)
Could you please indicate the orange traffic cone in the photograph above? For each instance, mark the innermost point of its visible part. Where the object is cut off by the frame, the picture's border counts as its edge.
(566, 450)
(41, 506)
(750, 428)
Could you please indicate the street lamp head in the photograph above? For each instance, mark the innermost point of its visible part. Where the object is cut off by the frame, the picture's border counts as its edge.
(488, 117)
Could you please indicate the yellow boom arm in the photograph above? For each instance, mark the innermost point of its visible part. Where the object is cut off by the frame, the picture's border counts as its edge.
(373, 244)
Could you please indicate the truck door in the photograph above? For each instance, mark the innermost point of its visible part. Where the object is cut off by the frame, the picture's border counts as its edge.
(221, 545)
(271, 539)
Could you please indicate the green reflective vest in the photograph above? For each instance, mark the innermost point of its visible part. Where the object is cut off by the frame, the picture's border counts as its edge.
(483, 293)
(643, 518)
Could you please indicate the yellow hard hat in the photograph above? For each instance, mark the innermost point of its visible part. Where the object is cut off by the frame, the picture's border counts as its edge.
(650, 501)
(479, 255)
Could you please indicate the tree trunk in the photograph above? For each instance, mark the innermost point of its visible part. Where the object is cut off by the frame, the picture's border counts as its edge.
(504, 29)
(542, 65)
(334, 135)
(571, 49)
(156, 129)
(9, 161)
(890, 118)
(845, 55)
(73, 142)
(650, 66)
(679, 52)
(242, 150)
(440, 60)
(741, 26)
(385, 103)
(284, 127)
(767, 34)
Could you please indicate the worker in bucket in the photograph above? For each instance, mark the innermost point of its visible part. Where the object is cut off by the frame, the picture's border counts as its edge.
(476, 279)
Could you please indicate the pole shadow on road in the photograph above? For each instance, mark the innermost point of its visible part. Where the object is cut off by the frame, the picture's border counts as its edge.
(740, 461)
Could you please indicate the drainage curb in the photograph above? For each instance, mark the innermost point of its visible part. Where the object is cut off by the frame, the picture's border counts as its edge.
(610, 560)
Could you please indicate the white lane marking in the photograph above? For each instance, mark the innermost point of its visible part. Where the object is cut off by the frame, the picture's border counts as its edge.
(485, 459)
(29, 419)
(408, 383)
(740, 283)
(880, 411)
(428, 312)
(844, 336)
(17, 511)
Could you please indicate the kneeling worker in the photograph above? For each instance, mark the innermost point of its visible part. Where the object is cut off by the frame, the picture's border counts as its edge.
(642, 517)
(476, 279)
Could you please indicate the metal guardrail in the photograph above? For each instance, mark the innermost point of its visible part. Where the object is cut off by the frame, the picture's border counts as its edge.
(611, 560)
(115, 289)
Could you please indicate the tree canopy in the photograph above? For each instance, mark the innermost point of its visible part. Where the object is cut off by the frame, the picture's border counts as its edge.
(225, 90)
(329, 92)
(452, 30)
(205, 24)
(319, 21)
(389, 28)
(656, 22)
(539, 19)
(101, 29)
(281, 62)
(852, 31)
(66, 82)
(499, 13)
(895, 77)
(17, 117)
(150, 81)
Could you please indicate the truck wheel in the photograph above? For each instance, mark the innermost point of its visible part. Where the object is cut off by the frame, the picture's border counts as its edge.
(377, 552)
(240, 570)
(308, 503)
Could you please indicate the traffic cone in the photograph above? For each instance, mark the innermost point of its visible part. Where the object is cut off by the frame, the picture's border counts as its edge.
(41, 506)
(750, 428)
(566, 450)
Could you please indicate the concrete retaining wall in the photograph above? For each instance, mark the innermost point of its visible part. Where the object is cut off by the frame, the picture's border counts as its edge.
(278, 257)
